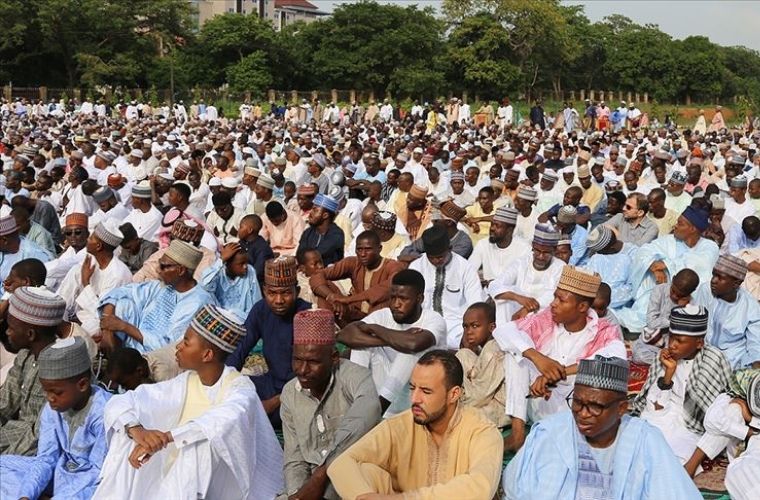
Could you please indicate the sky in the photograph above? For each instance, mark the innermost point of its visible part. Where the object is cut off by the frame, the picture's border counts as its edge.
(726, 22)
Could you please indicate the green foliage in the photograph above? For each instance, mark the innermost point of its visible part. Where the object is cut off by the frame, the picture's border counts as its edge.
(250, 74)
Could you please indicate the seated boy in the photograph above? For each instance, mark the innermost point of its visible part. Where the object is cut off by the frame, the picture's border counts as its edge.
(309, 263)
(601, 304)
(682, 384)
(664, 298)
(72, 444)
(483, 363)
(202, 434)
(127, 370)
(232, 280)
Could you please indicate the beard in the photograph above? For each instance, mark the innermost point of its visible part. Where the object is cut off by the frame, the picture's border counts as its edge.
(429, 418)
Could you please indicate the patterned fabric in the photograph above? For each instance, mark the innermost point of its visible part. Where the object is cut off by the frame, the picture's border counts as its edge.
(64, 359)
(745, 384)
(21, 400)
(282, 271)
(603, 373)
(507, 215)
(440, 281)
(76, 219)
(36, 306)
(544, 234)
(710, 376)
(314, 327)
(187, 230)
(599, 238)
(731, 266)
(327, 202)
(218, 326)
(593, 484)
(688, 320)
(184, 254)
(385, 221)
(582, 283)
(8, 225)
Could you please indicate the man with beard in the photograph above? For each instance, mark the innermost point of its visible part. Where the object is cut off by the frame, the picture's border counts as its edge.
(500, 250)
(457, 451)
(75, 234)
(633, 225)
(323, 234)
(595, 450)
(390, 341)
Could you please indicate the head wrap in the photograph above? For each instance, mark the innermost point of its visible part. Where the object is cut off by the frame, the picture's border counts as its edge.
(281, 271)
(731, 266)
(546, 235)
(219, 326)
(8, 225)
(507, 215)
(64, 359)
(579, 282)
(184, 254)
(599, 238)
(108, 232)
(36, 306)
(697, 217)
(690, 320)
(610, 374)
(314, 327)
(384, 221)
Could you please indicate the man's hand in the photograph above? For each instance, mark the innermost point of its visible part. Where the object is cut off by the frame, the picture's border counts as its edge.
(111, 322)
(668, 363)
(229, 250)
(367, 329)
(552, 370)
(528, 303)
(314, 487)
(379, 496)
(540, 388)
(87, 270)
(151, 440)
(340, 299)
(520, 314)
(271, 404)
(139, 456)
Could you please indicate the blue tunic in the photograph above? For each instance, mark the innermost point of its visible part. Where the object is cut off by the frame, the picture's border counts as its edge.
(236, 294)
(72, 464)
(160, 312)
(27, 250)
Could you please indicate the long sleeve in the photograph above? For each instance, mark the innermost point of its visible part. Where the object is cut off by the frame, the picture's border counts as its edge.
(41, 469)
(658, 312)
(252, 336)
(342, 269)
(297, 470)
(513, 340)
(380, 291)
(753, 337)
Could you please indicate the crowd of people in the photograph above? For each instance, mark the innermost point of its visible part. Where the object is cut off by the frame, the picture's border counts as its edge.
(361, 303)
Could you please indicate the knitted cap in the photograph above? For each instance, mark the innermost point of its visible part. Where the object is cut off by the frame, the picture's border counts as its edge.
(579, 282)
(63, 359)
(8, 225)
(314, 327)
(567, 214)
(690, 320)
(184, 254)
(384, 221)
(252, 171)
(507, 215)
(219, 326)
(731, 266)
(36, 306)
(599, 238)
(265, 181)
(457, 175)
(108, 232)
(142, 190)
(550, 176)
(610, 374)
(545, 234)
(282, 271)
(584, 171)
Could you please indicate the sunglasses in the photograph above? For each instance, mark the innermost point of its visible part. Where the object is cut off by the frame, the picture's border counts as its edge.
(74, 232)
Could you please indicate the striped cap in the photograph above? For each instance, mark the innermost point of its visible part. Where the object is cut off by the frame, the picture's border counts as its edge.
(184, 254)
(457, 175)
(142, 190)
(690, 320)
(8, 225)
(567, 214)
(327, 202)
(282, 271)
(731, 266)
(610, 374)
(507, 215)
(314, 327)
(219, 326)
(307, 190)
(108, 232)
(579, 282)
(599, 238)
(545, 234)
(550, 176)
(36, 306)
(64, 359)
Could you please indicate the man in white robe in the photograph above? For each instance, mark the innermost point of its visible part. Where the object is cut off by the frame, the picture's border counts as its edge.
(202, 434)
(144, 217)
(495, 254)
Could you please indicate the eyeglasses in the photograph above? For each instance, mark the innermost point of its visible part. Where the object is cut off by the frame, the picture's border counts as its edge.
(74, 232)
(595, 409)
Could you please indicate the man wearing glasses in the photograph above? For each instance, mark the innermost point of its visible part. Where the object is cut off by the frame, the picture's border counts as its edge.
(633, 225)
(596, 450)
(75, 234)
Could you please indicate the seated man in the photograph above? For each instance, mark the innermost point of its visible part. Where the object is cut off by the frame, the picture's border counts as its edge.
(72, 443)
(596, 451)
(734, 325)
(744, 236)
(611, 259)
(75, 234)
(682, 383)
(135, 251)
(576, 233)
(543, 350)
(447, 215)
(144, 217)
(735, 417)
(127, 370)
(326, 389)
(658, 261)
(456, 451)
(528, 284)
(323, 234)
(390, 341)
(271, 321)
(496, 254)
(663, 299)
(183, 230)
(202, 434)
(14, 247)
(483, 364)
(150, 315)
(34, 315)
(224, 219)
(451, 283)
(370, 276)
(281, 228)
(232, 280)
(392, 241)
(100, 273)
(633, 225)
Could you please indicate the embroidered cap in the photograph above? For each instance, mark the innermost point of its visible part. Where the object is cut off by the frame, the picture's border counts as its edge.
(451, 210)
(567, 214)
(507, 215)
(142, 190)
(384, 221)
(187, 230)
(307, 190)
(282, 271)
(418, 192)
(599, 238)
(610, 374)
(731, 266)
(108, 232)
(184, 254)
(8, 225)
(527, 193)
(314, 327)
(546, 235)
(740, 181)
(64, 359)
(327, 202)
(690, 320)
(579, 282)
(219, 326)
(36, 306)
(102, 194)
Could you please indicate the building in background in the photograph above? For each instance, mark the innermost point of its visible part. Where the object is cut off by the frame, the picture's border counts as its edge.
(279, 12)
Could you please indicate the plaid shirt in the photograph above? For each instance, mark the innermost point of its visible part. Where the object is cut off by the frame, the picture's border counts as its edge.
(709, 377)
(387, 191)
(21, 402)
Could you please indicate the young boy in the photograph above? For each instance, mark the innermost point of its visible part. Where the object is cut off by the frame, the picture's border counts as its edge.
(682, 383)
(664, 298)
(232, 280)
(256, 247)
(601, 304)
(309, 262)
(72, 444)
(483, 363)
(127, 370)
(202, 434)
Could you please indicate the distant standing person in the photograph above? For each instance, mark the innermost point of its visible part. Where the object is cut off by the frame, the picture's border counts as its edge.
(537, 115)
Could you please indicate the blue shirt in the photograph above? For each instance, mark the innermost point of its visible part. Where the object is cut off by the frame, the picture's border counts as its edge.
(276, 332)
(330, 245)
(259, 251)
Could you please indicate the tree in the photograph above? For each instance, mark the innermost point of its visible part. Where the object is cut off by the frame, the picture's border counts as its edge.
(250, 74)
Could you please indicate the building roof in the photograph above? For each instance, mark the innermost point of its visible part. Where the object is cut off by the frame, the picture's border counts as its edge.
(296, 4)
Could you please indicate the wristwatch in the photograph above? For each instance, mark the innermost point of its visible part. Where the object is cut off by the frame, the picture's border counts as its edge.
(663, 386)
